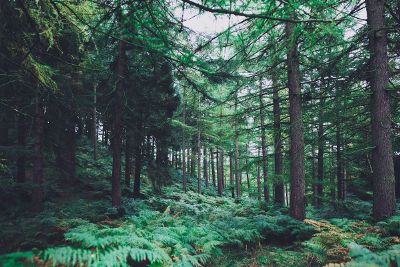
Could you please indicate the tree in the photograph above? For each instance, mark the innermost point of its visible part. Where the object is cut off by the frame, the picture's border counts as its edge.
(297, 187)
(382, 153)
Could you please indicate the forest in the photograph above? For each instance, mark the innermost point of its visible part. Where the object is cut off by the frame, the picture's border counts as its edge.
(199, 133)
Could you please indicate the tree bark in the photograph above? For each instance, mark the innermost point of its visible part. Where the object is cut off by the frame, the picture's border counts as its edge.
(128, 158)
(297, 188)
(212, 166)
(198, 162)
(278, 183)
(339, 166)
(258, 177)
(117, 127)
(231, 175)
(184, 182)
(382, 154)
(94, 136)
(320, 156)
(220, 177)
(205, 164)
(264, 162)
(237, 174)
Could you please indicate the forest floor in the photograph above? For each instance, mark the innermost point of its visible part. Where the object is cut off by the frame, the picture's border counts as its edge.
(171, 228)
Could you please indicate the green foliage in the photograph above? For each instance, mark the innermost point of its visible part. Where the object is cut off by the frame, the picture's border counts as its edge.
(362, 256)
(175, 229)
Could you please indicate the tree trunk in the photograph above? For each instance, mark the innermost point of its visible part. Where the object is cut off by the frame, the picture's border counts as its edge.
(94, 136)
(247, 168)
(198, 162)
(278, 183)
(339, 166)
(212, 166)
(205, 164)
(117, 127)
(314, 177)
(264, 162)
(297, 186)
(128, 158)
(320, 156)
(258, 177)
(237, 174)
(231, 175)
(38, 150)
(382, 154)
(220, 177)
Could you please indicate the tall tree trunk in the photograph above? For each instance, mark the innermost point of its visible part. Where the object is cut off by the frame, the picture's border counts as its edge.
(247, 167)
(320, 156)
(278, 183)
(258, 176)
(332, 182)
(198, 162)
(205, 164)
(212, 166)
(382, 154)
(237, 170)
(139, 140)
(94, 136)
(38, 150)
(264, 162)
(117, 127)
(221, 162)
(297, 185)
(220, 165)
(314, 176)
(339, 166)
(231, 175)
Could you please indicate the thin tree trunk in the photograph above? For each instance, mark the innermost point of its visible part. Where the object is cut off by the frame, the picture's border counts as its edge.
(38, 150)
(212, 166)
(231, 175)
(314, 177)
(297, 186)
(339, 166)
(382, 154)
(237, 174)
(220, 164)
(264, 162)
(205, 164)
(94, 137)
(320, 156)
(198, 162)
(247, 168)
(278, 183)
(117, 127)
(258, 177)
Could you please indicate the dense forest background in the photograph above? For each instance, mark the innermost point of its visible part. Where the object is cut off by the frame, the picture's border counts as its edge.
(199, 133)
